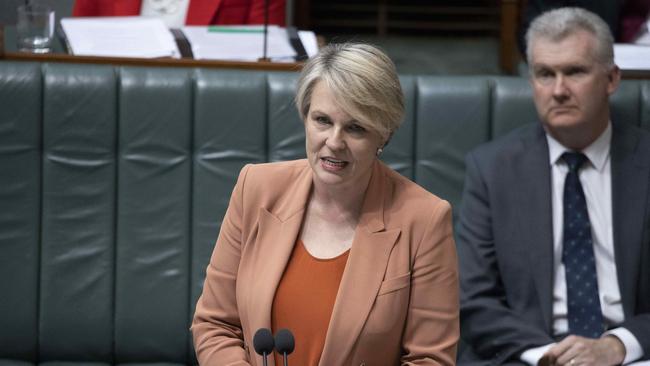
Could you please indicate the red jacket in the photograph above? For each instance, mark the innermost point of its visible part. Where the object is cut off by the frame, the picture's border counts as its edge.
(200, 12)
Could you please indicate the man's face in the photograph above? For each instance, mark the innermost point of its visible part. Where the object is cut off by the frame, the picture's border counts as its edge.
(571, 88)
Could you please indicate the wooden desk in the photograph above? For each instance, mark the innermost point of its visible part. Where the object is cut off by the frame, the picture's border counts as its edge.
(635, 74)
(8, 52)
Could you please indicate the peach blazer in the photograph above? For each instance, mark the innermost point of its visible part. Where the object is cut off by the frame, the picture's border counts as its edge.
(398, 299)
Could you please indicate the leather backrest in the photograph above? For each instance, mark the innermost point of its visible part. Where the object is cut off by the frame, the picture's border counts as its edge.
(114, 181)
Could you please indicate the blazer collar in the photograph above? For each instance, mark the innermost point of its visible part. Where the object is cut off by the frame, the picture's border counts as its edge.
(363, 273)
(277, 234)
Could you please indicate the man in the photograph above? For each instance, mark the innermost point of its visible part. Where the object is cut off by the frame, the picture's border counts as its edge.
(554, 226)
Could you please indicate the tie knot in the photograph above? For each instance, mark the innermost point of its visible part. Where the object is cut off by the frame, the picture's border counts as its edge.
(574, 160)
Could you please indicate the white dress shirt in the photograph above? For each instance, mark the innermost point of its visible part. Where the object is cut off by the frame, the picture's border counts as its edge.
(595, 177)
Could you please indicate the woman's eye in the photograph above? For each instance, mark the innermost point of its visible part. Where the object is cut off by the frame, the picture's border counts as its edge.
(356, 128)
(322, 119)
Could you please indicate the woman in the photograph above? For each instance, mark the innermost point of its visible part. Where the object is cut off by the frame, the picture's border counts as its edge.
(356, 260)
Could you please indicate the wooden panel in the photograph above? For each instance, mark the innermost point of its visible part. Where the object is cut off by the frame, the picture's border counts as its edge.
(406, 16)
(508, 53)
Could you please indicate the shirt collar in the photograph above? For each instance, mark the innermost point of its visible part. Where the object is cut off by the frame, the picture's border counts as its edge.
(597, 152)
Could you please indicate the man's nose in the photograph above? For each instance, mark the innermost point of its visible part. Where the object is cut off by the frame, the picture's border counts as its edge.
(560, 89)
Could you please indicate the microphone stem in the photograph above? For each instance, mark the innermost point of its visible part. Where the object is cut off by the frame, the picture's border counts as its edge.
(266, 27)
(264, 361)
(286, 362)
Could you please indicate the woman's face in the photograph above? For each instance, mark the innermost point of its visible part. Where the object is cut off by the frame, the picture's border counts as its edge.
(340, 151)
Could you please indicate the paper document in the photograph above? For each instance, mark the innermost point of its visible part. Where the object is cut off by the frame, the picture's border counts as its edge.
(632, 57)
(238, 43)
(136, 36)
(308, 39)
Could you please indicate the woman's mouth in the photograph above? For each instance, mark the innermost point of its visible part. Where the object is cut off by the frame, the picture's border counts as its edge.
(333, 164)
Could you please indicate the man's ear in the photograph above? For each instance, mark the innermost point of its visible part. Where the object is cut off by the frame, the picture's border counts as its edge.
(614, 78)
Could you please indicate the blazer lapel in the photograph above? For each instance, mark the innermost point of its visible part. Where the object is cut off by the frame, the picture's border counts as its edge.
(536, 223)
(363, 273)
(629, 173)
(278, 232)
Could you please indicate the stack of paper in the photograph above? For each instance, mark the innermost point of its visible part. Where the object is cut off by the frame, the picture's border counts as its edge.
(631, 56)
(309, 42)
(119, 37)
(242, 43)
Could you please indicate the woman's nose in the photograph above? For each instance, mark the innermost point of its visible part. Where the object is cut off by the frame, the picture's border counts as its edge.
(335, 140)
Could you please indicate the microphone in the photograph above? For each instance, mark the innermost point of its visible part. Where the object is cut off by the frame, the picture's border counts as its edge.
(284, 344)
(263, 343)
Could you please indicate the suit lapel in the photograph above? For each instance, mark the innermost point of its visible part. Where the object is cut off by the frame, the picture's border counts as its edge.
(536, 222)
(278, 232)
(629, 173)
(363, 273)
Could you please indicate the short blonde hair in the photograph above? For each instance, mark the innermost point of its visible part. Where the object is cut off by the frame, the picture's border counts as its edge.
(364, 83)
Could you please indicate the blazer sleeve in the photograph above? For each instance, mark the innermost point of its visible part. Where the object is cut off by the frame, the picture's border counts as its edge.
(216, 327)
(432, 331)
(493, 330)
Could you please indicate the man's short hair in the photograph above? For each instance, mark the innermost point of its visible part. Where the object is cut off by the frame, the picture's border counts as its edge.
(557, 24)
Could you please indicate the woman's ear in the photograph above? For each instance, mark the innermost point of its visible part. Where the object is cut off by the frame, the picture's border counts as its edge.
(387, 140)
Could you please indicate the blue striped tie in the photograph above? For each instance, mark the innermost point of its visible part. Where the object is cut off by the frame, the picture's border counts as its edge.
(583, 304)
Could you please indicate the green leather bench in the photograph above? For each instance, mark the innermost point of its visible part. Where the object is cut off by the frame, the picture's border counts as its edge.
(114, 180)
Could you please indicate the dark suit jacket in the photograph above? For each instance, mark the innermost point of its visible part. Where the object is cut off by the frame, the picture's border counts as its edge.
(505, 242)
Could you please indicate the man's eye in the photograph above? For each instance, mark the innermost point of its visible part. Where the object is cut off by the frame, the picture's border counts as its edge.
(575, 72)
(544, 76)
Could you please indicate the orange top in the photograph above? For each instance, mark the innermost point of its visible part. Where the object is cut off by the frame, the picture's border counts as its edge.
(304, 301)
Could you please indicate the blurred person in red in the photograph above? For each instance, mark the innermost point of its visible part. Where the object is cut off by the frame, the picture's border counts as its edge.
(177, 13)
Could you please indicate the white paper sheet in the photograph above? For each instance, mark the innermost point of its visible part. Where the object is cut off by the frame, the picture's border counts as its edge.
(136, 36)
(241, 43)
(632, 57)
(308, 39)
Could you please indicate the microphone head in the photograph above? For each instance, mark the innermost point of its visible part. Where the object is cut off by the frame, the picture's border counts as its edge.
(263, 341)
(284, 342)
